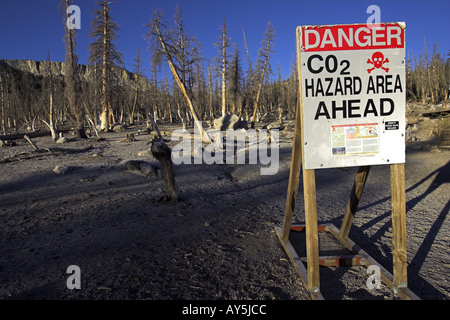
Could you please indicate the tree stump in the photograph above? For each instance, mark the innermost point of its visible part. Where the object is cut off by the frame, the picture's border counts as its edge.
(163, 153)
(130, 138)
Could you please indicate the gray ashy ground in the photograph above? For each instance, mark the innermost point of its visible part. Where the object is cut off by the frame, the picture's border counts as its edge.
(218, 243)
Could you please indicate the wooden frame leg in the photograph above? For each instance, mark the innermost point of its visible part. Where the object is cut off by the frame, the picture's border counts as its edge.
(294, 178)
(399, 225)
(355, 196)
(312, 235)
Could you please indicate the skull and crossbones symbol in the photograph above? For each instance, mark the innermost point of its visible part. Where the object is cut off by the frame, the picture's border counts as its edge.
(377, 62)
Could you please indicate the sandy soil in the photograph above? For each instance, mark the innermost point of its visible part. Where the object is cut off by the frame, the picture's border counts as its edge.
(218, 242)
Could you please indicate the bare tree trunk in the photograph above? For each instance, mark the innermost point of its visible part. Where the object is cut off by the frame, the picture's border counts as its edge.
(104, 122)
(182, 115)
(163, 153)
(268, 48)
(223, 44)
(72, 81)
(134, 105)
(111, 120)
(166, 91)
(106, 107)
(205, 135)
(224, 83)
(428, 73)
(50, 124)
(92, 125)
(258, 94)
(248, 54)
(169, 111)
(3, 107)
(211, 95)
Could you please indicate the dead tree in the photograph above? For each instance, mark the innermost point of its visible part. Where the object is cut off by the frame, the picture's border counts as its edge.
(263, 65)
(92, 126)
(161, 151)
(223, 43)
(235, 82)
(72, 79)
(104, 53)
(2, 100)
(167, 98)
(165, 45)
(138, 72)
(51, 124)
(248, 86)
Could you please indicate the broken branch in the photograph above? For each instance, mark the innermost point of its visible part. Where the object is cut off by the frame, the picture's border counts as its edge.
(31, 142)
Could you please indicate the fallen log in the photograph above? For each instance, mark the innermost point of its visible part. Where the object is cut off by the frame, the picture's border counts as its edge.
(42, 152)
(18, 136)
(10, 143)
(68, 150)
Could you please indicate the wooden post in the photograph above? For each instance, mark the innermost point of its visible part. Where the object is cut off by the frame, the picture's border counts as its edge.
(355, 196)
(312, 235)
(309, 189)
(399, 225)
(297, 152)
(294, 178)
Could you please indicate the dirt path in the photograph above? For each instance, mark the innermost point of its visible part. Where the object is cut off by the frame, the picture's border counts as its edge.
(218, 243)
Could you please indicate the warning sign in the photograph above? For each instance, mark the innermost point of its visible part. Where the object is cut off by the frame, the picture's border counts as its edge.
(353, 94)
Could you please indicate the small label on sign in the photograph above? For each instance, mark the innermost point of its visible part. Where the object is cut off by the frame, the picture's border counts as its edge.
(354, 139)
(391, 125)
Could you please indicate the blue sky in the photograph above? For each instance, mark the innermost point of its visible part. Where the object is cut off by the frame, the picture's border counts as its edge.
(30, 28)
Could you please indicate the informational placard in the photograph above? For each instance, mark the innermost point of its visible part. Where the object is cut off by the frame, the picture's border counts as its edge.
(353, 94)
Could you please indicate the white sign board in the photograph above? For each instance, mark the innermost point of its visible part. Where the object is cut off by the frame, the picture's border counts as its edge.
(353, 89)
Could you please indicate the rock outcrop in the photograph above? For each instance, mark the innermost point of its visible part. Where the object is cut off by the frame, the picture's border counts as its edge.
(230, 121)
(58, 69)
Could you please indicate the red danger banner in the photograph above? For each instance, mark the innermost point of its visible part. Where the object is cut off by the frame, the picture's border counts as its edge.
(353, 37)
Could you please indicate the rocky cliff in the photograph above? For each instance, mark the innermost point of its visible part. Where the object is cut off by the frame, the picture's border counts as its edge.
(42, 69)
